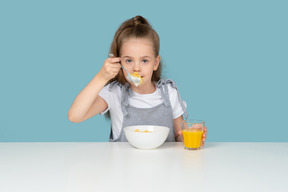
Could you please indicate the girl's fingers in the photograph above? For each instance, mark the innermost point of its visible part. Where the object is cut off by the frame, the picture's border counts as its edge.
(114, 60)
(179, 133)
(203, 143)
(112, 68)
(115, 67)
(196, 126)
(204, 134)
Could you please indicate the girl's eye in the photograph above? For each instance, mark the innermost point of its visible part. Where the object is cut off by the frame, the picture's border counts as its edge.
(145, 61)
(128, 61)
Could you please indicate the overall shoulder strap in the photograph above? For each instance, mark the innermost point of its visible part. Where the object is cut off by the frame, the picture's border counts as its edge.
(125, 91)
(114, 83)
(161, 84)
(164, 83)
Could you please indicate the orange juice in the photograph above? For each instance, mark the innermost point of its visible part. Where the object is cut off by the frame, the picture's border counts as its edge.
(192, 138)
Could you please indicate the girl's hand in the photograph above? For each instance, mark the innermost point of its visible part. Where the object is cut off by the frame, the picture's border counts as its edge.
(204, 135)
(179, 137)
(110, 68)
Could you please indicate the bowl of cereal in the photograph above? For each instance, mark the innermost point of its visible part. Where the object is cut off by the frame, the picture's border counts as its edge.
(146, 136)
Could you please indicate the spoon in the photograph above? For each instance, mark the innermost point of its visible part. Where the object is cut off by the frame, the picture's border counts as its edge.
(136, 80)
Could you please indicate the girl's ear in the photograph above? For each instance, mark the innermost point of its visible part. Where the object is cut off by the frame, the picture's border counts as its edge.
(157, 62)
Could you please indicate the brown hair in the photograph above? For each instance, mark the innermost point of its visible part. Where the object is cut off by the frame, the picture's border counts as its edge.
(136, 27)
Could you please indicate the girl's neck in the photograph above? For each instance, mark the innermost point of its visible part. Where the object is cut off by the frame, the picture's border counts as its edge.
(145, 89)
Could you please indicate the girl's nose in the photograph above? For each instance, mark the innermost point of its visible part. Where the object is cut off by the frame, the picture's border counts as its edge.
(137, 66)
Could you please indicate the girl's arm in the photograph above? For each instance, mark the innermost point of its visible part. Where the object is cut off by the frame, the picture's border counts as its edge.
(178, 129)
(88, 103)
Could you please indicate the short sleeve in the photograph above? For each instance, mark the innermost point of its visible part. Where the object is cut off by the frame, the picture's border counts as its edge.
(106, 95)
(175, 104)
(112, 96)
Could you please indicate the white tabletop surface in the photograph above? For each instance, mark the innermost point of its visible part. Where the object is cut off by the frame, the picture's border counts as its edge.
(102, 166)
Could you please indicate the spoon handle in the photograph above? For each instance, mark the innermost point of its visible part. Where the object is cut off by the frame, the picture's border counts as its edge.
(125, 69)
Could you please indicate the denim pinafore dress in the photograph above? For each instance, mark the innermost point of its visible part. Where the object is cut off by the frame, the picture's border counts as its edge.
(160, 115)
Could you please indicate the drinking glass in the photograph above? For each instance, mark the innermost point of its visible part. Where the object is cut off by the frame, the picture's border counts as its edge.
(192, 130)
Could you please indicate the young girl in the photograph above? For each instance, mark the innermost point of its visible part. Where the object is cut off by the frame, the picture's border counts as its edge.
(154, 102)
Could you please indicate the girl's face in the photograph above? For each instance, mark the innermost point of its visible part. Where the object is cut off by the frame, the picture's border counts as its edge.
(137, 55)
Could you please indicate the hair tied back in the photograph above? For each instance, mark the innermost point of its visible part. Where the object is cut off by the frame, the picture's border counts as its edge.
(139, 20)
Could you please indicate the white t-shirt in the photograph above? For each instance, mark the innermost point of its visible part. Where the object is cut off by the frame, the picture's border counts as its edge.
(113, 99)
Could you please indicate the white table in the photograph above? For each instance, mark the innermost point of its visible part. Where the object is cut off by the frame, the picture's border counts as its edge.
(83, 167)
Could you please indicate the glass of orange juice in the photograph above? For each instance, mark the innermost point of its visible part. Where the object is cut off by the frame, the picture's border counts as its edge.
(192, 130)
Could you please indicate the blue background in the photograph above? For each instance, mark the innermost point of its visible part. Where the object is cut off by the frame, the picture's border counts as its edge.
(233, 54)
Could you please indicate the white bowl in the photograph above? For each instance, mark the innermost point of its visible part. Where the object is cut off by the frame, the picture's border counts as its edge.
(152, 139)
